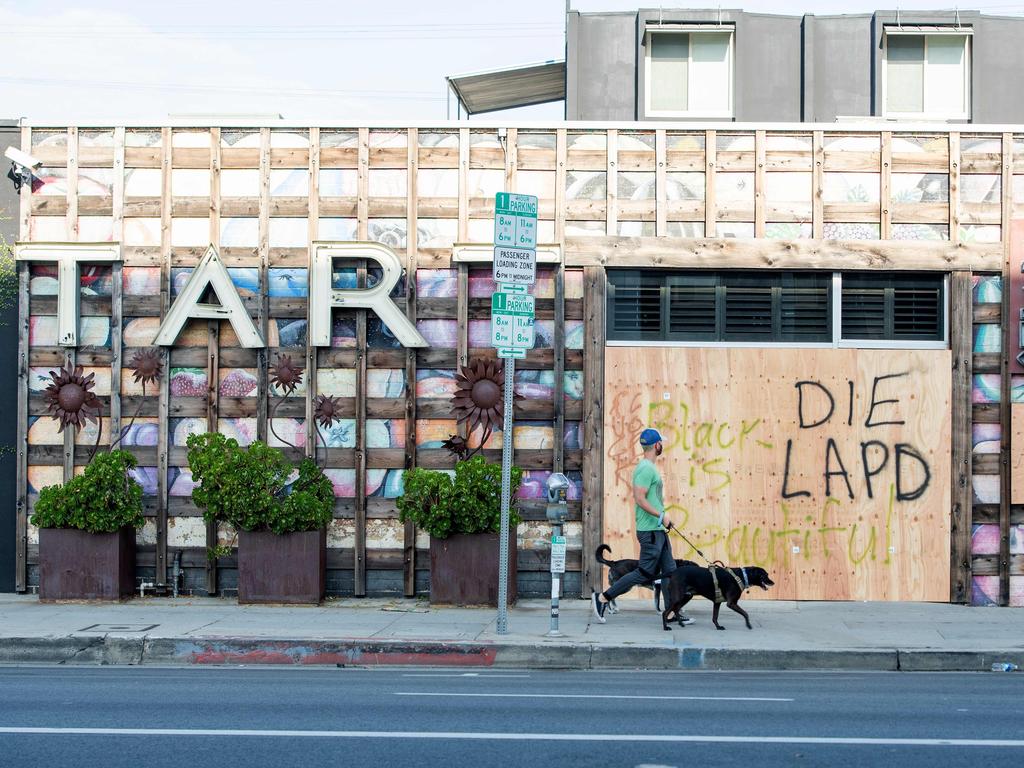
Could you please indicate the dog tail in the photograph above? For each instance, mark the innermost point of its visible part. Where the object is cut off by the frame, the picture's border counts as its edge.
(600, 557)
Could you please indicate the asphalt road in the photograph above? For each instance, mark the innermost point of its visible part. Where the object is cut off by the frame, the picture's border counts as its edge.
(252, 717)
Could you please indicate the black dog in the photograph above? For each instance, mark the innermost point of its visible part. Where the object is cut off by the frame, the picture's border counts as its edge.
(691, 580)
(619, 568)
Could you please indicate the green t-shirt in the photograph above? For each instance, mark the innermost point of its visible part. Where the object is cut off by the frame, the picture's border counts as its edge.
(646, 476)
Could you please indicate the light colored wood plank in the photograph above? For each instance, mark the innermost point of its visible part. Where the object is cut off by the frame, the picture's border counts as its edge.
(312, 439)
(511, 158)
(738, 253)
(759, 183)
(954, 187)
(71, 182)
(463, 184)
(710, 160)
(817, 185)
(1005, 384)
(961, 330)
(117, 280)
(359, 544)
(660, 184)
(25, 196)
(163, 408)
(363, 185)
(612, 185)
(885, 196)
(594, 297)
(782, 481)
(411, 244)
(21, 510)
(263, 250)
(560, 151)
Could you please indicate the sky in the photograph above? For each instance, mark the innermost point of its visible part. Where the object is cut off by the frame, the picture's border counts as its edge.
(111, 61)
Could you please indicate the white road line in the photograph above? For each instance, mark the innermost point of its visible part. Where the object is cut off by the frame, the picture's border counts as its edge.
(589, 696)
(465, 736)
(466, 674)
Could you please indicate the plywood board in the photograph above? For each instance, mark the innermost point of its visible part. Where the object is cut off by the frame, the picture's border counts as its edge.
(1017, 453)
(828, 467)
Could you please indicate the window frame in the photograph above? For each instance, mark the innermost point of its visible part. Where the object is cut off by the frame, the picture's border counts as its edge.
(693, 29)
(926, 115)
(836, 327)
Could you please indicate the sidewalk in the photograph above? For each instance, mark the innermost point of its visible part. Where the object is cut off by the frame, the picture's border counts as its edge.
(786, 635)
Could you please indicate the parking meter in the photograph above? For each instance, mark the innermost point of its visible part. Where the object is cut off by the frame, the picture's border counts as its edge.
(557, 511)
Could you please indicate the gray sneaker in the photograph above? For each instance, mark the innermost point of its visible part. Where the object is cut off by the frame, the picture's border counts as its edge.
(599, 606)
(684, 619)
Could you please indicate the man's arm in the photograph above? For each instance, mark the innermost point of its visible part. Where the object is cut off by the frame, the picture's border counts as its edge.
(640, 497)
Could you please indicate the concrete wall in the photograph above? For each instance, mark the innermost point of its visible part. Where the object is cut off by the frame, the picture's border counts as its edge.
(10, 134)
(787, 68)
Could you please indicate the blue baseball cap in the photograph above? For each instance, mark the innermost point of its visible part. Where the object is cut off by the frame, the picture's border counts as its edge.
(649, 437)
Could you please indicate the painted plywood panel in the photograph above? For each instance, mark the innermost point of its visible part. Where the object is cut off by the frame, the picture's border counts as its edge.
(1017, 453)
(828, 467)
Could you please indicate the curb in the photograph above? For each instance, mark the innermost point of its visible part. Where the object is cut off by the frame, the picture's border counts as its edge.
(116, 650)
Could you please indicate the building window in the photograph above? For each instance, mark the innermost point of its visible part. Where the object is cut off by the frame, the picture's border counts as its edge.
(774, 307)
(926, 75)
(893, 307)
(688, 73)
(719, 306)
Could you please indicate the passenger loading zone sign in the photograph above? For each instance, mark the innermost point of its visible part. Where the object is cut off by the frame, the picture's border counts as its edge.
(512, 321)
(514, 265)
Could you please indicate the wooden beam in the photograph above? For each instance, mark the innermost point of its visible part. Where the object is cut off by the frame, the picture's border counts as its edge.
(117, 288)
(612, 184)
(710, 206)
(560, 160)
(71, 232)
(885, 196)
(954, 188)
(759, 183)
(313, 221)
(213, 349)
(818, 185)
(263, 248)
(595, 286)
(463, 184)
(961, 330)
(411, 245)
(1005, 390)
(660, 183)
(558, 444)
(21, 512)
(511, 158)
(462, 327)
(362, 228)
(163, 408)
(359, 574)
(739, 253)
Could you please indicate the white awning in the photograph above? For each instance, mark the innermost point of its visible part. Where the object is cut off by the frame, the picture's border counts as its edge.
(926, 29)
(512, 87)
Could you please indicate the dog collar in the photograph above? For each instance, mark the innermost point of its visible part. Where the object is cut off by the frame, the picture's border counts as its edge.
(746, 581)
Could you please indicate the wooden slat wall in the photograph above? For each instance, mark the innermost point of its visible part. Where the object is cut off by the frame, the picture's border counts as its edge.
(667, 152)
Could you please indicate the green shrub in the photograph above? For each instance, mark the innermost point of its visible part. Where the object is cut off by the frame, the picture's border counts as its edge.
(248, 487)
(103, 499)
(468, 503)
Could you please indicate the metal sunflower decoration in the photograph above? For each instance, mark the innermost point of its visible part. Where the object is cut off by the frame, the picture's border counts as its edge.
(286, 376)
(70, 399)
(479, 401)
(146, 368)
(326, 411)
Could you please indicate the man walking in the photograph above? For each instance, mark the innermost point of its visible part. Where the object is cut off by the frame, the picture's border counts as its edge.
(651, 528)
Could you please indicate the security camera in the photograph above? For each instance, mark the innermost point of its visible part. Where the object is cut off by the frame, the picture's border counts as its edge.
(24, 159)
(22, 166)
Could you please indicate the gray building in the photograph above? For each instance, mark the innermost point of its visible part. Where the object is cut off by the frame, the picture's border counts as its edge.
(687, 64)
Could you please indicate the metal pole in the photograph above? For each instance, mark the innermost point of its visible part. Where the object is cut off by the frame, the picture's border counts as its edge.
(506, 498)
(556, 588)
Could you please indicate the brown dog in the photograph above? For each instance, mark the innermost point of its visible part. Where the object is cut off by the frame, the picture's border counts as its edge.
(732, 582)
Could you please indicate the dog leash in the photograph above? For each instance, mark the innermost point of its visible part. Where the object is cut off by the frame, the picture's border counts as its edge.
(713, 566)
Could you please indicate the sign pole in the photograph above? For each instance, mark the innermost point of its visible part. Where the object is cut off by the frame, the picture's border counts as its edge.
(512, 315)
(506, 498)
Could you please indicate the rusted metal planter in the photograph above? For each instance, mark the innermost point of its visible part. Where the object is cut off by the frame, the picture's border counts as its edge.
(464, 569)
(282, 568)
(78, 565)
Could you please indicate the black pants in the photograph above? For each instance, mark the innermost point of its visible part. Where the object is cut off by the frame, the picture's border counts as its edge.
(655, 561)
